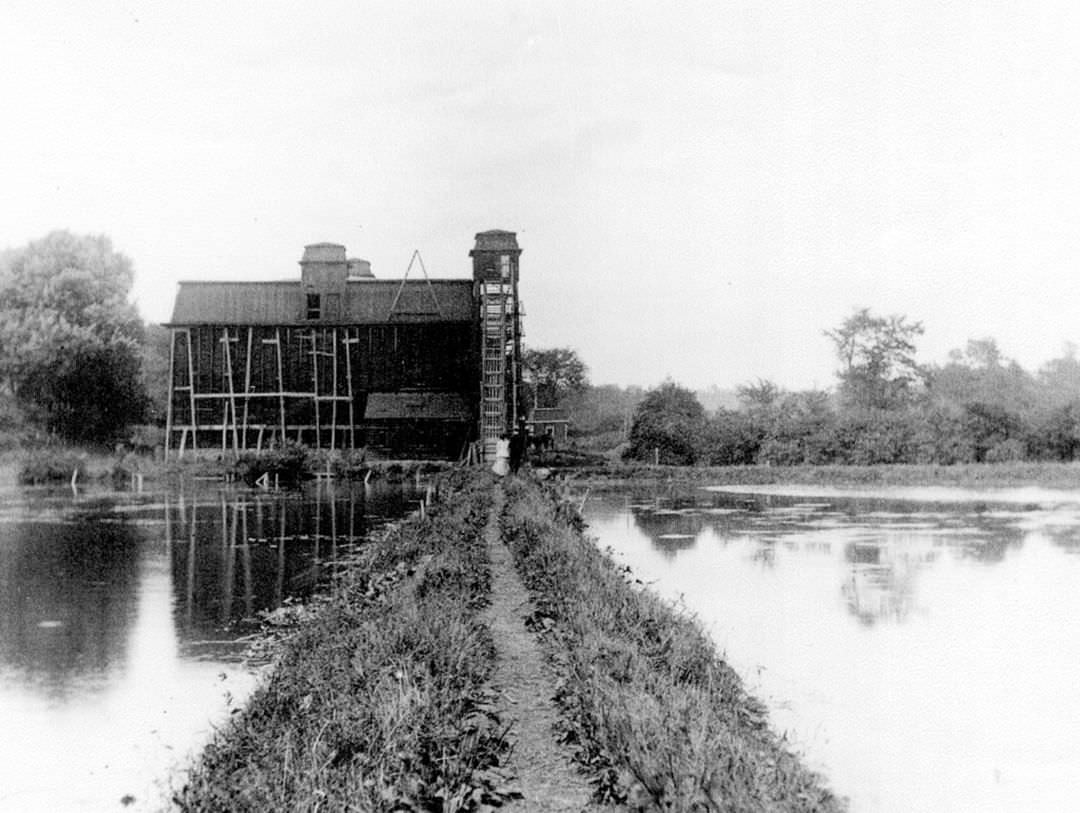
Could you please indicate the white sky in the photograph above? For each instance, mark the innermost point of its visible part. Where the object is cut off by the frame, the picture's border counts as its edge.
(699, 188)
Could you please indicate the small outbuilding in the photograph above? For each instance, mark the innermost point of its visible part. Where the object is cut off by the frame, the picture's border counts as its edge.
(549, 427)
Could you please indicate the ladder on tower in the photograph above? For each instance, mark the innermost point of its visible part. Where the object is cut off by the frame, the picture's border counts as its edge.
(495, 310)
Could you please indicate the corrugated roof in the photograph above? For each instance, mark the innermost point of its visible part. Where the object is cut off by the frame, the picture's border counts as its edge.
(284, 303)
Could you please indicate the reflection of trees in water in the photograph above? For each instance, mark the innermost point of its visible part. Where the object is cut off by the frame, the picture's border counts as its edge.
(1066, 537)
(68, 596)
(243, 553)
(668, 531)
(765, 552)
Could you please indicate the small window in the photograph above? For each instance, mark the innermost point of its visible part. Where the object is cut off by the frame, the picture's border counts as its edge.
(332, 307)
(314, 306)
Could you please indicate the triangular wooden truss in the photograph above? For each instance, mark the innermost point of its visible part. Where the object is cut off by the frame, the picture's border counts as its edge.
(416, 259)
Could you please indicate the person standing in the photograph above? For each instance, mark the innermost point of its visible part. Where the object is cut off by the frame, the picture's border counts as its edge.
(517, 449)
(502, 456)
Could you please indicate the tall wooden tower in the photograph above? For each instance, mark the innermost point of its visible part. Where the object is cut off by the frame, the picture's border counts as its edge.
(495, 273)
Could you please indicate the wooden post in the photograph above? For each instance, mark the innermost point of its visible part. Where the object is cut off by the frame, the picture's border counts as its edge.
(334, 392)
(315, 386)
(349, 388)
(172, 384)
(280, 384)
(247, 386)
(191, 393)
(227, 359)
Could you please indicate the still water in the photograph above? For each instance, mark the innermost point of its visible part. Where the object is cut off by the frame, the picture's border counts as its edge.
(921, 648)
(124, 621)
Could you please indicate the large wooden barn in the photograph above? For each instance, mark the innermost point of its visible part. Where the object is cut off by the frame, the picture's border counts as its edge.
(338, 359)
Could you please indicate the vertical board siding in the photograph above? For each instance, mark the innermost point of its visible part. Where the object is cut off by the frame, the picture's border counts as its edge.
(237, 397)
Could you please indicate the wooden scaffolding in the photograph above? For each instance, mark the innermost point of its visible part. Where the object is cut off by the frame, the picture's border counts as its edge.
(246, 393)
(499, 324)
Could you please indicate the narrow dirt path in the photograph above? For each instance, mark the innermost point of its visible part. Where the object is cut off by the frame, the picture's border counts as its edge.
(525, 686)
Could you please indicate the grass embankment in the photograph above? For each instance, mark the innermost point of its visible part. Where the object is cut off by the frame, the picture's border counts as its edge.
(651, 711)
(970, 475)
(380, 698)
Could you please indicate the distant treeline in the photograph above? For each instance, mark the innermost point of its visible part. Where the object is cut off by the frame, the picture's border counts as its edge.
(978, 407)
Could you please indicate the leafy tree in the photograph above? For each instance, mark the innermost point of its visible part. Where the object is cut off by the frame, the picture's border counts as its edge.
(1055, 434)
(869, 437)
(731, 439)
(669, 421)
(603, 410)
(760, 397)
(981, 374)
(877, 356)
(155, 371)
(69, 339)
(1059, 379)
(994, 432)
(553, 374)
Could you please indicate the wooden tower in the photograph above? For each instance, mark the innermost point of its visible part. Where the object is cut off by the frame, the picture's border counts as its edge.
(495, 273)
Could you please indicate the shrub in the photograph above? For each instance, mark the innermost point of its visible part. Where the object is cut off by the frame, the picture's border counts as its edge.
(48, 466)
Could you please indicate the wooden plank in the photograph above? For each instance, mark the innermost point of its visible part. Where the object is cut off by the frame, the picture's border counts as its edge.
(281, 385)
(315, 388)
(349, 388)
(333, 403)
(191, 383)
(214, 396)
(232, 386)
(247, 386)
(172, 391)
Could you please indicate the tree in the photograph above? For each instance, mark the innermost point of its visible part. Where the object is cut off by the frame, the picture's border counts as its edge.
(877, 357)
(731, 439)
(982, 374)
(760, 397)
(69, 339)
(670, 422)
(155, 371)
(553, 374)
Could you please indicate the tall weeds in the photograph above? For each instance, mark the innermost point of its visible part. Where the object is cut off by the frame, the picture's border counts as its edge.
(651, 711)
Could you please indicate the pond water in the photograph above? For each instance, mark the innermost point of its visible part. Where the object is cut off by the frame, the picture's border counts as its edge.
(920, 648)
(124, 619)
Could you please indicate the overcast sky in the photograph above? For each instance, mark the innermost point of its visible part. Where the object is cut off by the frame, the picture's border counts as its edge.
(699, 189)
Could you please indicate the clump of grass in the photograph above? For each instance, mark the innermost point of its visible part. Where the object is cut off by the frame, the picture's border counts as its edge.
(289, 463)
(51, 466)
(380, 698)
(651, 711)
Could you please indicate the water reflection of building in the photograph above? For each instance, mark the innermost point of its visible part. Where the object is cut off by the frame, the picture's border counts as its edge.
(882, 581)
(68, 596)
(670, 530)
(242, 553)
